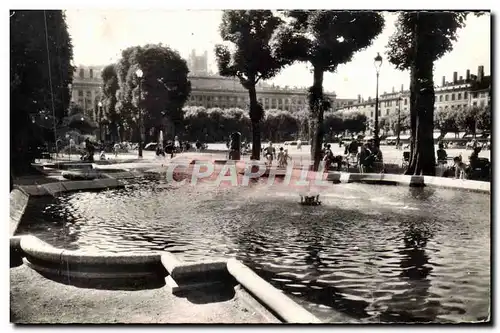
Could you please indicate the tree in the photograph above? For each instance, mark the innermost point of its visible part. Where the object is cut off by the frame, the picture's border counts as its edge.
(484, 118)
(355, 122)
(36, 83)
(420, 39)
(249, 32)
(446, 121)
(404, 120)
(333, 124)
(109, 88)
(325, 39)
(164, 87)
(467, 119)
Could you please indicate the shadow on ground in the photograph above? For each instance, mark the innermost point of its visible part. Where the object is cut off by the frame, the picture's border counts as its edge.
(211, 294)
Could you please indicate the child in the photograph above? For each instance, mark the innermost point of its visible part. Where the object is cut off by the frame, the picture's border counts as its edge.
(460, 168)
(283, 161)
(269, 153)
(280, 158)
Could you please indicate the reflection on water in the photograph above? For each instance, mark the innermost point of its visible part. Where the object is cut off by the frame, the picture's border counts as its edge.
(370, 253)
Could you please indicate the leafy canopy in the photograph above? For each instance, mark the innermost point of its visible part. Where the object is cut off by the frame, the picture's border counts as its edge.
(326, 38)
(438, 31)
(250, 32)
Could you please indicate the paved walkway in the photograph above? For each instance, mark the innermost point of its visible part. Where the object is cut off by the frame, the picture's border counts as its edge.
(35, 299)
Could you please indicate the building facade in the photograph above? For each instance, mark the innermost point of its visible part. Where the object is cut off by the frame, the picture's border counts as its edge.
(460, 92)
(207, 89)
(86, 89)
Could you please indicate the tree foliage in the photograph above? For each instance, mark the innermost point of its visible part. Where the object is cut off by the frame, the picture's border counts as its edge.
(248, 55)
(164, 86)
(420, 39)
(32, 34)
(214, 125)
(110, 88)
(325, 39)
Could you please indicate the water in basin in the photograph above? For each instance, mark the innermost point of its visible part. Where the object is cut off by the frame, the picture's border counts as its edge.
(372, 253)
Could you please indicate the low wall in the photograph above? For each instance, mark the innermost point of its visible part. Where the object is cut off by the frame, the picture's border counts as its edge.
(56, 262)
(416, 181)
(180, 276)
(70, 186)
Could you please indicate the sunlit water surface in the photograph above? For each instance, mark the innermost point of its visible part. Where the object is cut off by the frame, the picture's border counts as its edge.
(370, 253)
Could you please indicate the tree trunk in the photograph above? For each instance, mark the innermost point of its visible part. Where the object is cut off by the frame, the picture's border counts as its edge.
(316, 116)
(422, 160)
(256, 114)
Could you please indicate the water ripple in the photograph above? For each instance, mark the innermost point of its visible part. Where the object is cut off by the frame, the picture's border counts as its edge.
(373, 253)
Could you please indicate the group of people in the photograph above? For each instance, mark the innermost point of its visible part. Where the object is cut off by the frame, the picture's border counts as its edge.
(477, 168)
(282, 157)
(363, 155)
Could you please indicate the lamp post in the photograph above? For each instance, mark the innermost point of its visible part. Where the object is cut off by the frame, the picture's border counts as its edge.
(139, 74)
(100, 120)
(400, 98)
(70, 88)
(378, 63)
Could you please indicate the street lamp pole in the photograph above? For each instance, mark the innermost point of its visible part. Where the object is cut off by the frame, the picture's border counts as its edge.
(100, 120)
(139, 74)
(399, 121)
(378, 64)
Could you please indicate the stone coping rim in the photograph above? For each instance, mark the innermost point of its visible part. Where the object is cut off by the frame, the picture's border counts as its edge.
(35, 247)
(433, 181)
(71, 186)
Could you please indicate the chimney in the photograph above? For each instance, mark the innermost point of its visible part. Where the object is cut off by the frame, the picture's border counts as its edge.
(369, 99)
(393, 91)
(359, 98)
(402, 87)
(444, 81)
(467, 75)
(480, 73)
(461, 78)
(455, 74)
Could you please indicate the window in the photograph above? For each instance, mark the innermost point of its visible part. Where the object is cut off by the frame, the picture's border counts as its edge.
(405, 109)
(406, 101)
(371, 114)
(91, 73)
(387, 112)
(446, 97)
(452, 97)
(82, 73)
(208, 98)
(459, 96)
(379, 113)
(440, 98)
(481, 103)
(80, 93)
(474, 95)
(89, 93)
(446, 107)
(466, 95)
(475, 103)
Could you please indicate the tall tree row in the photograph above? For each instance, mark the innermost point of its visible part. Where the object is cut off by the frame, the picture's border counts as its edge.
(40, 72)
(249, 33)
(325, 39)
(420, 39)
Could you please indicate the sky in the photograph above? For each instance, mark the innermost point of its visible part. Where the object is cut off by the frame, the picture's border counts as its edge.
(100, 35)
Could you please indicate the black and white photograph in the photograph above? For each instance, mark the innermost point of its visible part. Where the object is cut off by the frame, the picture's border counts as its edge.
(250, 166)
